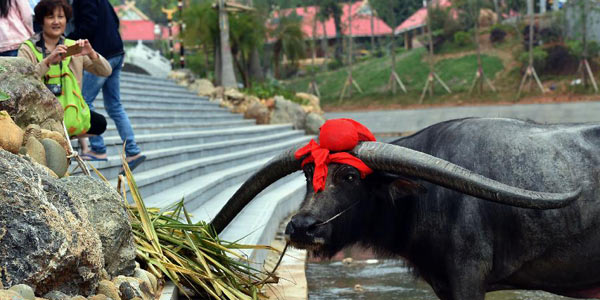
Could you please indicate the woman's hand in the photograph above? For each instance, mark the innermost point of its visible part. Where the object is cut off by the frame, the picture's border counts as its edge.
(56, 56)
(87, 49)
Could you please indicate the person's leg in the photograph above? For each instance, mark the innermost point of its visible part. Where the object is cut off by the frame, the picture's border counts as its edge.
(91, 87)
(9, 53)
(114, 108)
(98, 126)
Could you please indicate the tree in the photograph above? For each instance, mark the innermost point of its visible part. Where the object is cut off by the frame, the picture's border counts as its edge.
(247, 34)
(331, 9)
(289, 40)
(226, 59)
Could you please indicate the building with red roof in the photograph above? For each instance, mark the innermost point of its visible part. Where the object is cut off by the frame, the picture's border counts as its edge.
(361, 22)
(417, 23)
(136, 26)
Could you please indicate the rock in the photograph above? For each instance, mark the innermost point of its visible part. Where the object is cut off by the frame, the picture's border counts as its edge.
(109, 218)
(358, 288)
(313, 123)
(141, 275)
(57, 295)
(182, 76)
(33, 130)
(219, 93)
(202, 87)
(30, 102)
(153, 280)
(58, 137)
(36, 150)
(10, 295)
(313, 103)
(287, 112)
(234, 96)
(78, 297)
(46, 240)
(11, 135)
(259, 112)
(24, 290)
(99, 297)
(130, 289)
(56, 157)
(347, 260)
(108, 289)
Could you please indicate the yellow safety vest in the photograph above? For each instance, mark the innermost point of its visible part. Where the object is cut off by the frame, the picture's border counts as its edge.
(76, 111)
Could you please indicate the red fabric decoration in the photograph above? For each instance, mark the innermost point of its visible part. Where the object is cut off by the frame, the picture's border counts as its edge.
(335, 136)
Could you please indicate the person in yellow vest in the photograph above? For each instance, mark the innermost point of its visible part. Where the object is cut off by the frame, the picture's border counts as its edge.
(61, 72)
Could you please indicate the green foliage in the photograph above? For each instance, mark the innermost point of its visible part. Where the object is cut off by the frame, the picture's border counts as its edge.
(443, 21)
(266, 90)
(394, 12)
(373, 76)
(289, 40)
(202, 25)
(462, 38)
(576, 48)
(334, 64)
(539, 58)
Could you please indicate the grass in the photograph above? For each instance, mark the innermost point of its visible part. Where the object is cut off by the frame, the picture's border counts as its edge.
(189, 254)
(373, 75)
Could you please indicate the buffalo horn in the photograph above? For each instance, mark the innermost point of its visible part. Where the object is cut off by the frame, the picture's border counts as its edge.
(278, 167)
(401, 160)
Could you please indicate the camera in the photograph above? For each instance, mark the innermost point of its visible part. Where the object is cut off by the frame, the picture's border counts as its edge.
(56, 89)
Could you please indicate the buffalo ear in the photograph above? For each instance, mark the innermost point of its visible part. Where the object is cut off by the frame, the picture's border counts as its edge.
(403, 187)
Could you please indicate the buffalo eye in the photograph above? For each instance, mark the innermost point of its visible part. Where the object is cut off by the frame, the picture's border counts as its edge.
(349, 177)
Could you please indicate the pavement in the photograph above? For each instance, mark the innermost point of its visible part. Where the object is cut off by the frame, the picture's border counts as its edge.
(395, 122)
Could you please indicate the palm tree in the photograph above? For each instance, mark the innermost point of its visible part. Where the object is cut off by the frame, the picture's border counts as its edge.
(331, 8)
(289, 40)
(226, 59)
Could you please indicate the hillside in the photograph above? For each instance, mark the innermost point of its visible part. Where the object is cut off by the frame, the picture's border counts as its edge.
(455, 66)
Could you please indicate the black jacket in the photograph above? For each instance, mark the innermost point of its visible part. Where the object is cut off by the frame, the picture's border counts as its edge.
(97, 21)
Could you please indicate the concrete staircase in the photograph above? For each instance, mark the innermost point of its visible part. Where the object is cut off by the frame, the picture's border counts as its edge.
(202, 153)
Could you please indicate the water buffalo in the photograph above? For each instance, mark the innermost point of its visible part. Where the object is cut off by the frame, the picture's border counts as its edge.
(474, 205)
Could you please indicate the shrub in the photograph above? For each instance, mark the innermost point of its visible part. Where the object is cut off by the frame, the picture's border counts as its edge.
(334, 64)
(497, 35)
(271, 89)
(462, 38)
(560, 61)
(539, 58)
(576, 48)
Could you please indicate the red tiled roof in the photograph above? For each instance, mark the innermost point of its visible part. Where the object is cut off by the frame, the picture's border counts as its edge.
(137, 30)
(361, 24)
(418, 19)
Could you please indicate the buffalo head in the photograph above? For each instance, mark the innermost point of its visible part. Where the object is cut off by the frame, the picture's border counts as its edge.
(330, 219)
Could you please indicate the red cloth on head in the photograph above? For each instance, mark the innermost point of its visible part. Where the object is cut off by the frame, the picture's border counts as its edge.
(335, 135)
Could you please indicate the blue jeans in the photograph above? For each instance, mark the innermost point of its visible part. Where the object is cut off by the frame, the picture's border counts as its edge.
(9, 53)
(112, 103)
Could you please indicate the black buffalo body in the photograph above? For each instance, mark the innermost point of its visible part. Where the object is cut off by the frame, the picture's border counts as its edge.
(462, 245)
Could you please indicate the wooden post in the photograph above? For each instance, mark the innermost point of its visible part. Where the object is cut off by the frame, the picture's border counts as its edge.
(530, 73)
(429, 83)
(480, 77)
(349, 81)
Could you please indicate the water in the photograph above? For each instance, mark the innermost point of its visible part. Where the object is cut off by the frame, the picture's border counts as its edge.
(385, 279)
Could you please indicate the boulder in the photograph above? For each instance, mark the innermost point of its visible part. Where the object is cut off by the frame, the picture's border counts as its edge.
(202, 87)
(24, 290)
(11, 135)
(312, 103)
(287, 111)
(259, 112)
(234, 96)
(36, 150)
(56, 157)
(29, 101)
(313, 123)
(109, 218)
(10, 295)
(108, 289)
(46, 240)
(57, 137)
(182, 76)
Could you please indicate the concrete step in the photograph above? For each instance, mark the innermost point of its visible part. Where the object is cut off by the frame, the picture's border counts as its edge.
(155, 141)
(197, 184)
(111, 129)
(167, 117)
(174, 110)
(150, 102)
(216, 155)
(145, 79)
(156, 94)
(133, 86)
